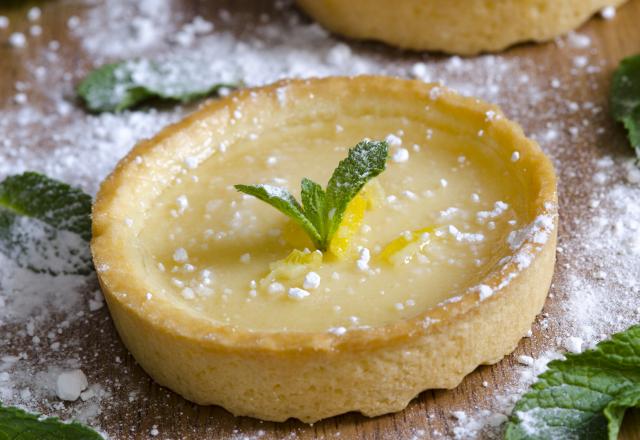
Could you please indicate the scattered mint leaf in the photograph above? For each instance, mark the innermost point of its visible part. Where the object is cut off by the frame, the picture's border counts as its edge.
(18, 424)
(118, 86)
(625, 98)
(53, 202)
(322, 211)
(632, 124)
(614, 412)
(584, 396)
(59, 209)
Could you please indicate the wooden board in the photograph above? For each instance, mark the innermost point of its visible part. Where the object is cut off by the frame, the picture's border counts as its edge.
(428, 414)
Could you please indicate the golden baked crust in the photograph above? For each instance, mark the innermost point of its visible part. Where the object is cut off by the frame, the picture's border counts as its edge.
(463, 27)
(277, 375)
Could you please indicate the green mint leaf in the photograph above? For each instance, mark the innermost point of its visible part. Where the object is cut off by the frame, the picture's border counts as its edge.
(583, 396)
(284, 202)
(364, 162)
(322, 211)
(58, 207)
(314, 204)
(625, 98)
(118, 86)
(632, 124)
(18, 424)
(50, 201)
(614, 412)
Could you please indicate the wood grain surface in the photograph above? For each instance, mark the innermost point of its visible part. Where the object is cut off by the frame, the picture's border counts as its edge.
(429, 413)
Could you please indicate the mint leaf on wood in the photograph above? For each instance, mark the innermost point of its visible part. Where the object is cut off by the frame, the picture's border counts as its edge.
(50, 201)
(58, 210)
(118, 86)
(583, 396)
(18, 424)
(632, 124)
(322, 211)
(625, 98)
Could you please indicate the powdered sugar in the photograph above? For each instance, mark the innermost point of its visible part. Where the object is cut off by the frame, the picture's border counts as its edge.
(609, 241)
(139, 27)
(70, 384)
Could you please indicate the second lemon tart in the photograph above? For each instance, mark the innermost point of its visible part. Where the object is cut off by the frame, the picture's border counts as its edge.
(441, 264)
(463, 27)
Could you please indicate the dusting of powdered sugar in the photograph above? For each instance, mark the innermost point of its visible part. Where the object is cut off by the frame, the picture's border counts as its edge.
(55, 324)
(140, 26)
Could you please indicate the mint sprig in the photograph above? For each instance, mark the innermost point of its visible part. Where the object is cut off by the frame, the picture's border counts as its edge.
(321, 211)
(583, 396)
(18, 424)
(284, 202)
(625, 98)
(59, 206)
(118, 86)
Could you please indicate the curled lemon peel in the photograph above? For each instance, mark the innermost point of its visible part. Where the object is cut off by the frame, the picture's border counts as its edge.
(370, 197)
(293, 266)
(406, 246)
(351, 223)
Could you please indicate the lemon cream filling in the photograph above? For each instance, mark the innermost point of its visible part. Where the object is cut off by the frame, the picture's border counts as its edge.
(432, 226)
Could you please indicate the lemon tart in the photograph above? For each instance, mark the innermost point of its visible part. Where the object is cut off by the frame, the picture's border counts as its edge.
(440, 264)
(456, 26)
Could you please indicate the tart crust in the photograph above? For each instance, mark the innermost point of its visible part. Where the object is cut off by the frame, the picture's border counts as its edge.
(309, 376)
(463, 27)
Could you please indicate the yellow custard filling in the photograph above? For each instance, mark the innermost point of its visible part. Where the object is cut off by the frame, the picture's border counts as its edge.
(433, 225)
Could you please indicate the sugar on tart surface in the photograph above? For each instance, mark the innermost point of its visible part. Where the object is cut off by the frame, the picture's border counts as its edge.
(463, 27)
(445, 270)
